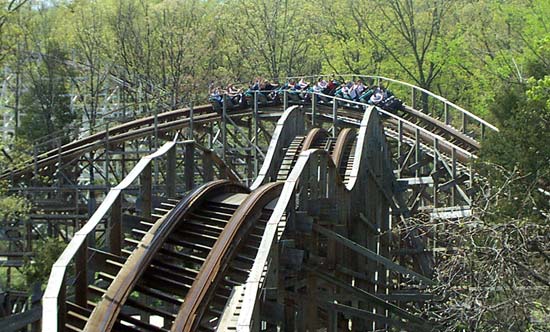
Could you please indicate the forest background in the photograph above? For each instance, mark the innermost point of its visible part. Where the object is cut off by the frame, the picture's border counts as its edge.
(491, 57)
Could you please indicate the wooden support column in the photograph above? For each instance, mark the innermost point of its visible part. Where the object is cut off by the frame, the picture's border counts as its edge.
(311, 318)
(207, 167)
(81, 278)
(171, 172)
(115, 229)
(146, 191)
(189, 171)
(61, 305)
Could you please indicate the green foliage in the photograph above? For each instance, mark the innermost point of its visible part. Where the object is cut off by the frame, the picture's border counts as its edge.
(12, 208)
(46, 104)
(38, 269)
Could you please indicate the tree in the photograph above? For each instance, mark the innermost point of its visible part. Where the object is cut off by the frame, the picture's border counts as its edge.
(46, 103)
(412, 33)
(270, 38)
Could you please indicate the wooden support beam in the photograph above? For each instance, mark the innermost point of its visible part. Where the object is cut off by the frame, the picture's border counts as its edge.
(368, 297)
(364, 314)
(171, 172)
(81, 278)
(115, 228)
(189, 170)
(371, 254)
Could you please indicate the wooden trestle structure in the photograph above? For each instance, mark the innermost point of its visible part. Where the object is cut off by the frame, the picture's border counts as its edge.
(274, 217)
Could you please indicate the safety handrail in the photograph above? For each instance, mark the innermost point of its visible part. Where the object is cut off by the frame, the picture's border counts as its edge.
(408, 123)
(50, 300)
(120, 129)
(431, 94)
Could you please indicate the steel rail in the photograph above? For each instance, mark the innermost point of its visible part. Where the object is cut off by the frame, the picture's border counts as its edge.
(248, 211)
(105, 314)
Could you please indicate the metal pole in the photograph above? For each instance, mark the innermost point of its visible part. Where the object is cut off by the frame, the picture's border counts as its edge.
(453, 191)
(417, 150)
(191, 124)
(285, 99)
(334, 119)
(313, 110)
(399, 148)
(436, 179)
(224, 127)
(256, 127)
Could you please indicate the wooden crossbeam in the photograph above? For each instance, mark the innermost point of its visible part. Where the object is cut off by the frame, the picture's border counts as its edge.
(368, 297)
(389, 264)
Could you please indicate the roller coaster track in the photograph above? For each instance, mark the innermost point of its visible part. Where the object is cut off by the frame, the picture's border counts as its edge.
(308, 246)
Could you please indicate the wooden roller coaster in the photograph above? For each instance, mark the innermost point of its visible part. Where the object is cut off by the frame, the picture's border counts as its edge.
(310, 245)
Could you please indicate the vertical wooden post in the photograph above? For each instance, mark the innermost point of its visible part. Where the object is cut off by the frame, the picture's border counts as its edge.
(171, 172)
(413, 98)
(61, 305)
(189, 171)
(285, 100)
(207, 168)
(115, 231)
(81, 278)
(191, 122)
(313, 110)
(446, 113)
(311, 309)
(146, 191)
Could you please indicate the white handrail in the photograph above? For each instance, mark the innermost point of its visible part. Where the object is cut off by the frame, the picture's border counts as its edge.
(442, 99)
(415, 126)
(59, 269)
